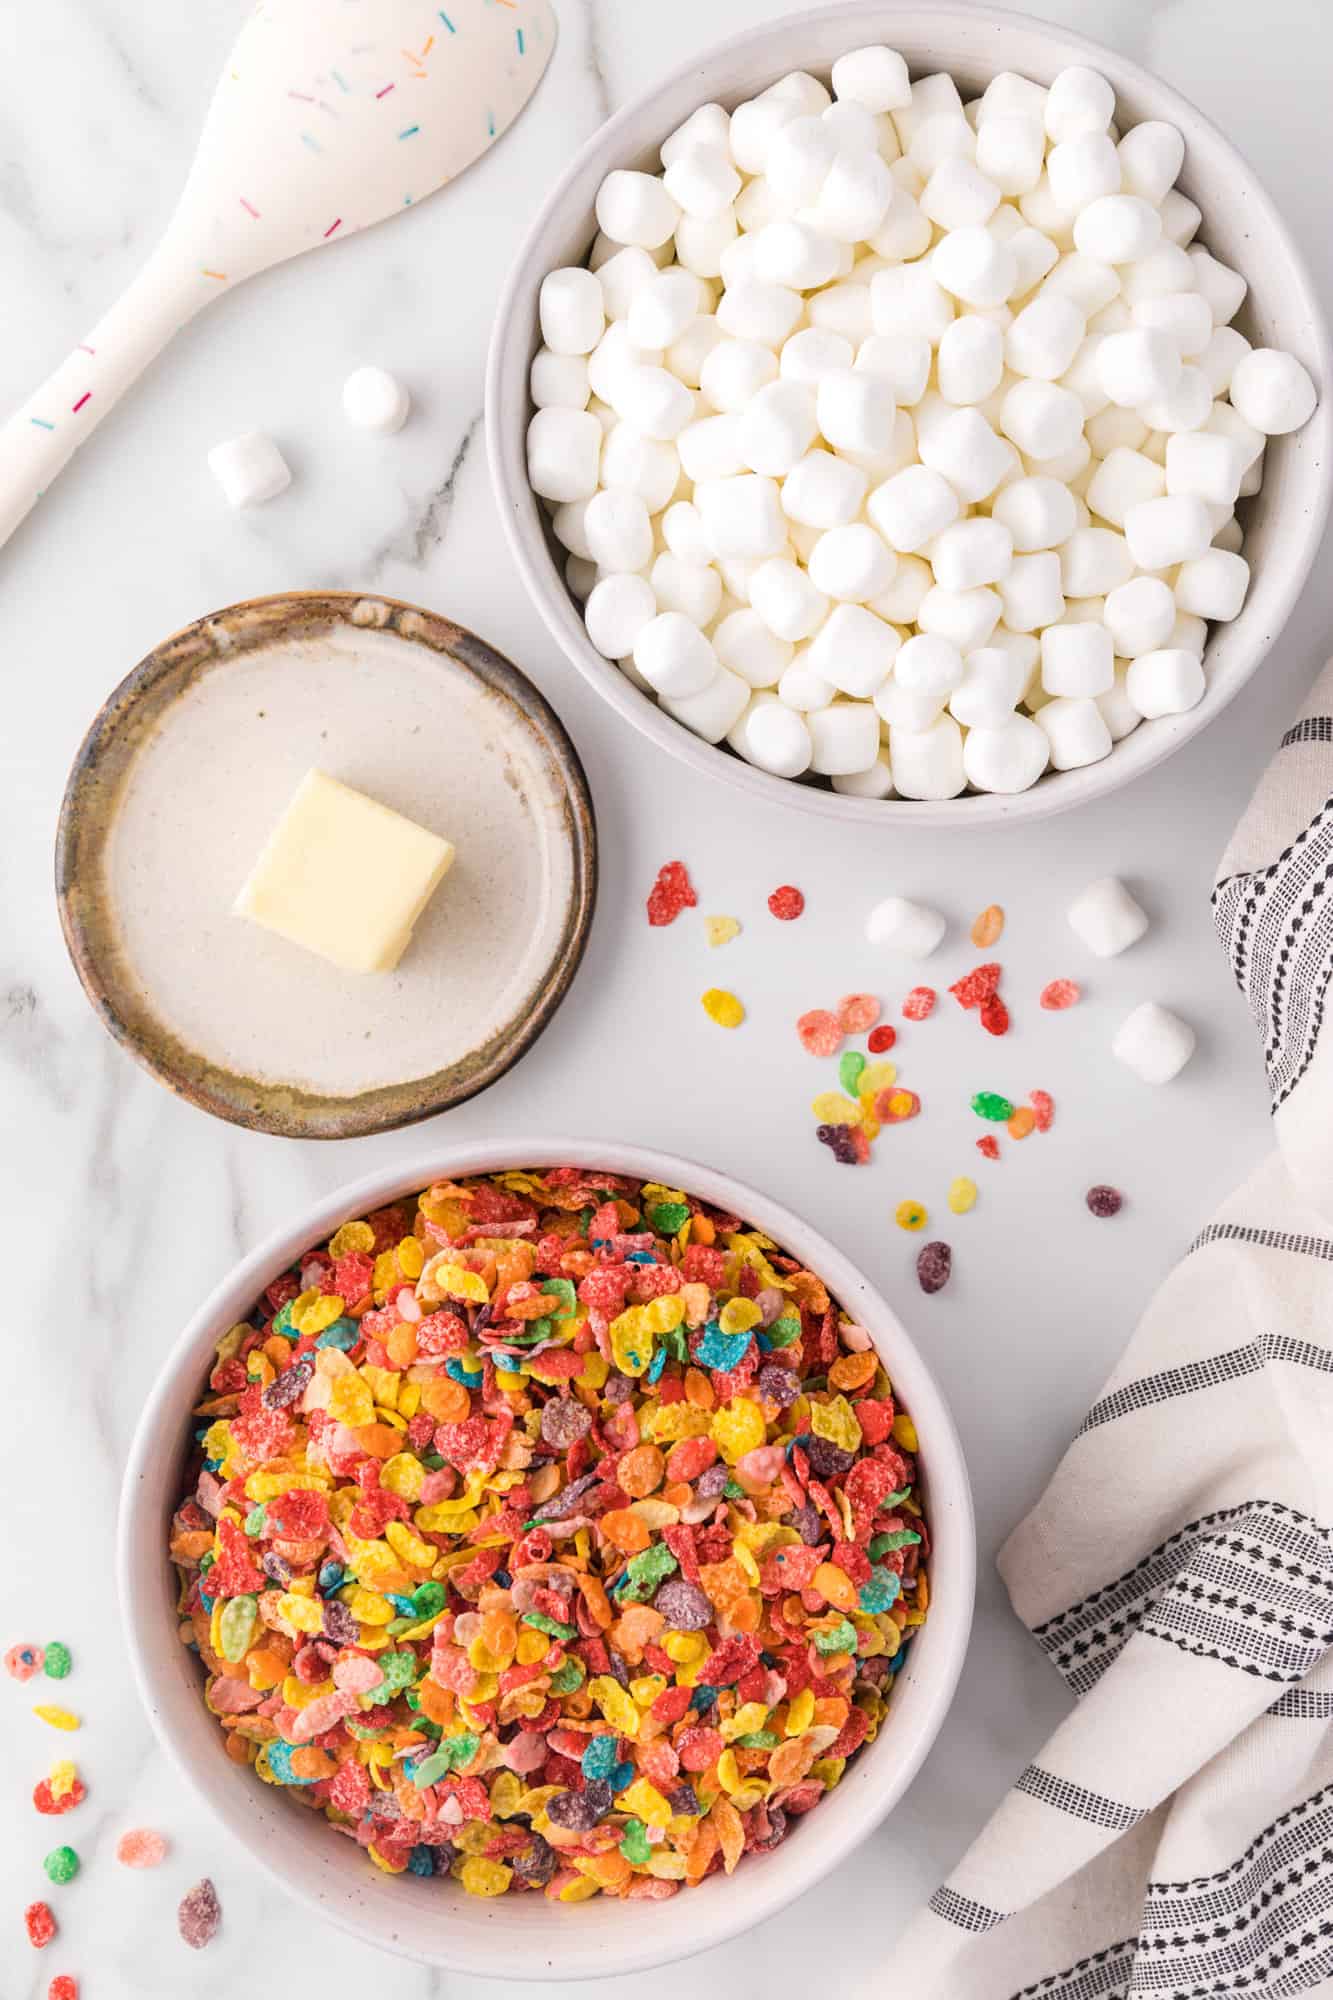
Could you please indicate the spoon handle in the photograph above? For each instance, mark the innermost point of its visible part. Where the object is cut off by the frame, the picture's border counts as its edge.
(44, 434)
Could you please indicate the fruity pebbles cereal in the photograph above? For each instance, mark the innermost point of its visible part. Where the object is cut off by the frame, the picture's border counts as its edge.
(555, 1532)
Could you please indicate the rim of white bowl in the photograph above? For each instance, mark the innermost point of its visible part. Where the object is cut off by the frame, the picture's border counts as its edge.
(248, 1811)
(1275, 586)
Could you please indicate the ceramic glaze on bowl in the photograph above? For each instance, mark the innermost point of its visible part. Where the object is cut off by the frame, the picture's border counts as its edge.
(525, 1937)
(1283, 523)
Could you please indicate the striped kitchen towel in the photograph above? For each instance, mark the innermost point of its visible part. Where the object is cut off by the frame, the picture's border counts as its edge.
(1174, 1839)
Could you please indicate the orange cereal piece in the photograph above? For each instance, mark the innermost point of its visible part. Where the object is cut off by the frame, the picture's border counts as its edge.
(857, 1012)
(625, 1531)
(641, 1471)
(1021, 1123)
(835, 1586)
(853, 1371)
(988, 926)
(820, 1032)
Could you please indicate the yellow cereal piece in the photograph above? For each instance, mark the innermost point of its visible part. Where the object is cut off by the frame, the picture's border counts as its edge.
(749, 1716)
(877, 1076)
(304, 1614)
(645, 1802)
(910, 1215)
(646, 1688)
(415, 1552)
(352, 1236)
(405, 1475)
(382, 1383)
(321, 1311)
(801, 1713)
(736, 1428)
(832, 1108)
(593, 1373)
(668, 1423)
(506, 1791)
(747, 1562)
(59, 1718)
(667, 1865)
(836, 1421)
(631, 1332)
(962, 1194)
(411, 1257)
(581, 1890)
(617, 1706)
(63, 1778)
(904, 1432)
(382, 1861)
(459, 1282)
(367, 1607)
(268, 1485)
(686, 1648)
(739, 1315)
(351, 1402)
(721, 930)
(722, 1007)
(217, 1440)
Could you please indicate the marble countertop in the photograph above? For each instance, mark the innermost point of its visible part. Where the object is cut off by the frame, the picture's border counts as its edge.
(124, 1206)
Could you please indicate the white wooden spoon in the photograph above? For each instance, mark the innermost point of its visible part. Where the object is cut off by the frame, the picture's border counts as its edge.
(329, 115)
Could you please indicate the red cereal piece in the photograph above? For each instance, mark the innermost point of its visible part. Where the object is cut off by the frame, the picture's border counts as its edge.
(995, 1016)
(990, 1146)
(141, 1847)
(199, 1915)
(820, 1032)
(977, 986)
(63, 1987)
(919, 1003)
(671, 893)
(22, 1662)
(882, 1039)
(46, 1801)
(1043, 1105)
(857, 1012)
(39, 1924)
(786, 903)
(1059, 994)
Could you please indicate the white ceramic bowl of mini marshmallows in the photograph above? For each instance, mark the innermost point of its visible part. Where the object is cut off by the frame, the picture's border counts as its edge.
(933, 422)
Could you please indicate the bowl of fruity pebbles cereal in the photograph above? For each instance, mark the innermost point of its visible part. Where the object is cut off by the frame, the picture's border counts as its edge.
(520, 1543)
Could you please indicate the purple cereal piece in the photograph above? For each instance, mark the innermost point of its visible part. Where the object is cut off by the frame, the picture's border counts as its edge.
(536, 1864)
(579, 1812)
(291, 1385)
(826, 1460)
(339, 1623)
(778, 1385)
(683, 1605)
(199, 1915)
(564, 1421)
(683, 1799)
(807, 1523)
(1104, 1202)
(933, 1266)
(711, 1481)
(566, 1502)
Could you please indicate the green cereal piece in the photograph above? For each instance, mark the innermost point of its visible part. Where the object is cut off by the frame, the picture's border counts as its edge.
(236, 1627)
(782, 1332)
(642, 1574)
(567, 1676)
(883, 1545)
(667, 1217)
(759, 1739)
(562, 1289)
(550, 1625)
(850, 1065)
(990, 1104)
(427, 1599)
(57, 1662)
(254, 1520)
(635, 1845)
(61, 1864)
(842, 1639)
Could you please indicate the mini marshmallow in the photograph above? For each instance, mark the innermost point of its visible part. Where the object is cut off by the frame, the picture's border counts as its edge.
(558, 381)
(958, 195)
(661, 310)
(855, 197)
(1183, 316)
(1137, 366)
(374, 400)
(653, 401)
(742, 516)
(617, 610)
(1079, 101)
(675, 658)
(854, 650)
(903, 232)
(806, 92)
(908, 300)
(1155, 1043)
(900, 709)
(694, 589)
(799, 160)
(1151, 156)
(1272, 391)
(746, 646)
(844, 738)
(1117, 229)
(928, 764)
(876, 783)
(971, 264)
(792, 254)
(1124, 479)
(971, 553)
(1166, 682)
(571, 310)
(1184, 408)
(564, 450)
(1228, 422)
(856, 411)
(1117, 710)
(1076, 731)
(621, 277)
(801, 688)
(873, 77)
(1082, 170)
(900, 601)
(1223, 288)
(912, 507)
(1218, 359)
(963, 449)
(772, 737)
(1039, 513)
(735, 371)
(1166, 270)
(1031, 594)
(813, 353)
(1084, 281)
(714, 709)
(928, 665)
(688, 352)
(1190, 633)
(970, 360)
(1010, 152)
(1139, 615)
(1035, 255)
(1044, 338)
(1180, 217)
(755, 311)
(710, 448)
(1093, 561)
(777, 428)
(788, 602)
(995, 679)
(635, 208)
(1171, 530)
(1213, 585)
(754, 126)
(823, 491)
(618, 530)
(1009, 95)
(702, 181)
(1077, 659)
(909, 928)
(710, 125)
(250, 469)
(1107, 918)
(1042, 419)
(966, 618)
(647, 466)
(851, 563)
(1009, 756)
(701, 246)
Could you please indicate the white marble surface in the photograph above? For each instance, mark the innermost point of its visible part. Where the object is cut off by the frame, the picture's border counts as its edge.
(123, 1206)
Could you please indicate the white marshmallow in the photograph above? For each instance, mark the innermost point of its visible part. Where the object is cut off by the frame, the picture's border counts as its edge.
(702, 181)
(1166, 270)
(1082, 170)
(958, 195)
(903, 232)
(995, 679)
(1009, 153)
(909, 300)
(701, 246)
(1180, 217)
(250, 469)
(754, 127)
(714, 709)
(966, 618)
(787, 601)
(932, 96)
(790, 253)
(1139, 615)
(928, 764)
(618, 531)
(1077, 659)
(801, 688)
(569, 526)
(875, 77)
(1228, 422)
(675, 658)
(735, 371)
(823, 491)
(970, 263)
(1085, 281)
(1205, 465)
(851, 563)
(688, 352)
(1190, 633)
(970, 360)
(900, 601)
(694, 589)
(909, 928)
(963, 449)
(856, 411)
(1009, 95)
(571, 310)
(1035, 255)
(755, 311)
(564, 450)
(1183, 316)
(799, 159)
(854, 650)
(661, 310)
(1039, 513)
(653, 401)
(1223, 288)
(1123, 480)
(843, 309)
(559, 381)
(1166, 682)
(912, 507)
(844, 738)
(876, 783)
(1107, 918)
(971, 553)
(1218, 360)
(928, 665)
(622, 277)
(1117, 710)
(635, 208)
(1184, 408)
(1080, 100)
(1042, 419)
(777, 428)
(1117, 229)
(1213, 585)
(749, 648)
(772, 737)
(855, 197)
(1009, 756)
(1171, 530)
(1155, 1043)
(375, 400)
(710, 125)
(1031, 594)
(1045, 337)
(1076, 731)
(806, 91)
(614, 360)
(813, 353)
(1093, 561)
(948, 137)
(1151, 156)
(1137, 366)
(1114, 429)
(710, 448)
(1272, 391)
(617, 610)
(647, 466)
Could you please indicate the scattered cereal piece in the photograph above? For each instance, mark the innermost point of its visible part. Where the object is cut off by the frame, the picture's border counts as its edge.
(857, 1012)
(975, 988)
(1043, 1108)
(1059, 994)
(57, 1662)
(895, 1107)
(820, 1032)
(61, 1864)
(962, 1195)
(910, 1215)
(995, 1016)
(933, 1266)
(59, 1718)
(847, 1143)
(786, 903)
(1104, 1201)
(851, 1064)
(63, 1987)
(919, 1003)
(22, 1662)
(988, 926)
(1020, 1122)
(990, 1146)
(882, 1039)
(199, 1915)
(721, 930)
(722, 1007)
(141, 1847)
(39, 1924)
(60, 1793)
(671, 893)
(990, 1104)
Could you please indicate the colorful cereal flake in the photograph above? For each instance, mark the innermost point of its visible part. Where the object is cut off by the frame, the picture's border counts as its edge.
(721, 930)
(671, 893)
(39, 1924)
(786, 903)
(881, 1039)
(910, 1215)
(613, 1550)
(989, 1146)
(200, 1914)
(1059, 994)
(1043, 1108)
(934, 1266)
(920, 1003)
(857, 1012)
(820, 1032)
(962, 1195)
(722, 1007)
(141, 1847)
(1104, 1201)
(987, 927)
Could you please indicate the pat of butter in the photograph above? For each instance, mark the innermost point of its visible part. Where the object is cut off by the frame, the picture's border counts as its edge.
(344, 876)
